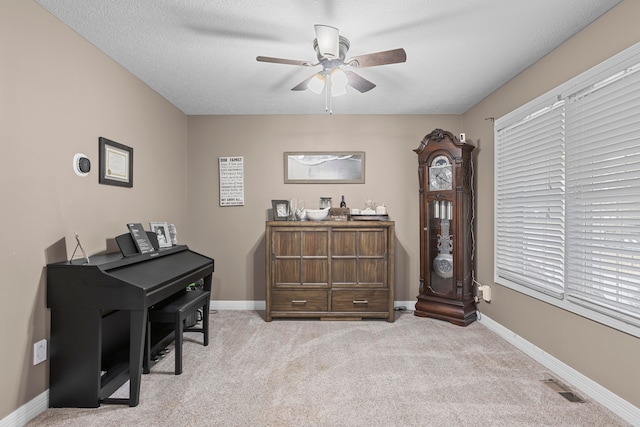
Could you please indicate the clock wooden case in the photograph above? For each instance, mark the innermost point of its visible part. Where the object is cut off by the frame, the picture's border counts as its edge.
(446, 251)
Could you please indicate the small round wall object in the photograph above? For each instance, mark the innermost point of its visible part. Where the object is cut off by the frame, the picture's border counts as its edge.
(81, 164)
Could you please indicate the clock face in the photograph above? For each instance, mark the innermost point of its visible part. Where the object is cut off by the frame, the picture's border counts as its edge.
(440, 176)
(439, 179)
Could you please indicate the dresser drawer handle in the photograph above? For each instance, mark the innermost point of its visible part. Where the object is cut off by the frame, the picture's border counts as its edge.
(360, 301)
(303, 301)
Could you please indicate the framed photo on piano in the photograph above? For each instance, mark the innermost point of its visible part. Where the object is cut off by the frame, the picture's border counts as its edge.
(162, 233)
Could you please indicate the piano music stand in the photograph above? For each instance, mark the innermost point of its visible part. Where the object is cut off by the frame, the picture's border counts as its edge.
(128, 247)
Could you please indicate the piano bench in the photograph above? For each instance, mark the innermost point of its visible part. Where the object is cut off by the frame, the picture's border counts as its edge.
(176, 311)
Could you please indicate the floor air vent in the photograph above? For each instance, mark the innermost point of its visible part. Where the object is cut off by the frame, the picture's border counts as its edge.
(563, 390)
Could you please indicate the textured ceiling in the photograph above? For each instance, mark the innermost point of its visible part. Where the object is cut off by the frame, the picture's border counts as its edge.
(201, 54)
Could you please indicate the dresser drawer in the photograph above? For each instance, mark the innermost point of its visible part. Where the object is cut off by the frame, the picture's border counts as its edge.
(299, 300)
(360, 300)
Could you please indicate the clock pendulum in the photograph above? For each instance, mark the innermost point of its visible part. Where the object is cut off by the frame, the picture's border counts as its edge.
(443, 262)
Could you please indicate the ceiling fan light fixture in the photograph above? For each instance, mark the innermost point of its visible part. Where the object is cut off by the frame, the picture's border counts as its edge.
(328, 41)
(316, 84)
(339, 82)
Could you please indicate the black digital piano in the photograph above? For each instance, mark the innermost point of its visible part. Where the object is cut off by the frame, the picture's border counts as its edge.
(99, 319)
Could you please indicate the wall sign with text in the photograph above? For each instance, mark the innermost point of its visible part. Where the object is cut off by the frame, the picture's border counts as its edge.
(231, 181)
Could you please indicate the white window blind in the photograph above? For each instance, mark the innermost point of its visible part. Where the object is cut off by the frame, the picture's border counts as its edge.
(530, 201)
(567, 195)
(603, 196)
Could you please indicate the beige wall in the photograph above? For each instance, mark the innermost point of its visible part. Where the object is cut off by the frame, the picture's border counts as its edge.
(606, 356)
(234, 236)
(58, 94)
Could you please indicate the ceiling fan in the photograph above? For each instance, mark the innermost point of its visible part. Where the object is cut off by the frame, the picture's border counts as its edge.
(331, 49)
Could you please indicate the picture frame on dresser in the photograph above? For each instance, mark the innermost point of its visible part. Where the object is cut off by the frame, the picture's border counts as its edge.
(280, 210)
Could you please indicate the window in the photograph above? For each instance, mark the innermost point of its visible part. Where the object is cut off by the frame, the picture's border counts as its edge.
(567, 195)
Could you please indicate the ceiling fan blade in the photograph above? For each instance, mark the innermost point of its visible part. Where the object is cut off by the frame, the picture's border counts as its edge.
(284, 61)
(328, 41)
(304, 84)
(379, 58)
(358, 82)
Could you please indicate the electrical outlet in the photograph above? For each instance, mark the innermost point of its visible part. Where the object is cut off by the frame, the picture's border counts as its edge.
(39, 352)
(486, 293)
(483, 293)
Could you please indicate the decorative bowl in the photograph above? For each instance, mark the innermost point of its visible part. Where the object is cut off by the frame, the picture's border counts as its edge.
(317, 214)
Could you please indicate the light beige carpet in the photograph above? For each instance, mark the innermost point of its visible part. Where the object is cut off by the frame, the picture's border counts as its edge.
(414, 372)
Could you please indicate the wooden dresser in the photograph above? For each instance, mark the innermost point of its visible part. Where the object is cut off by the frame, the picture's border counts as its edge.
(330, 269)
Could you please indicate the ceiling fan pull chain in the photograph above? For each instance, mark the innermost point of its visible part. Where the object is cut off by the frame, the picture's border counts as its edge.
(327, 96)
(328, 93)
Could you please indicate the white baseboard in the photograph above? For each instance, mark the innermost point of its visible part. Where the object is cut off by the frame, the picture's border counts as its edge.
(27, 412)
(582, 383)
(261, 305)
(409, 305)
(237, 305)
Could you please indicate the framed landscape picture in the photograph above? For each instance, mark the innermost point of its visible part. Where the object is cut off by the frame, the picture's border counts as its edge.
(322, 167)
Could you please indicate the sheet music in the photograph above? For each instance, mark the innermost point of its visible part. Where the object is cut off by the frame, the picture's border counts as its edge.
(140, 238)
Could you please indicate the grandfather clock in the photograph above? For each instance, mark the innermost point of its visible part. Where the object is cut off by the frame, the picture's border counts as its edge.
(444, 170)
